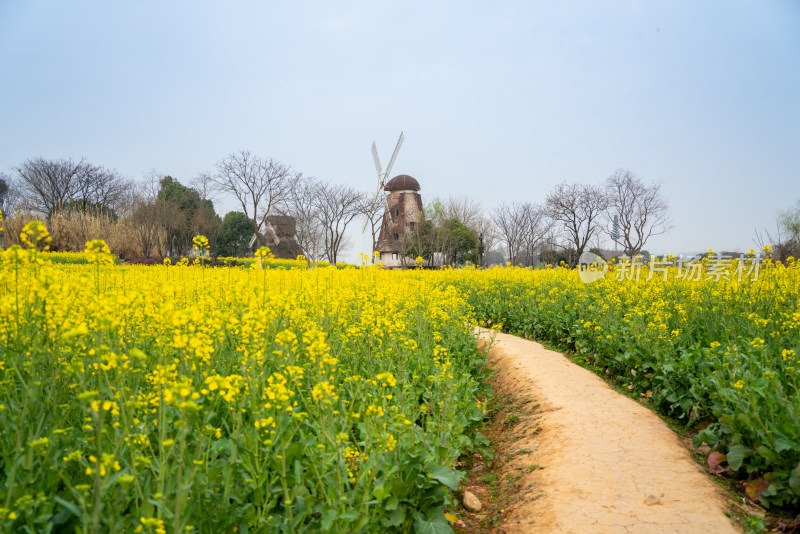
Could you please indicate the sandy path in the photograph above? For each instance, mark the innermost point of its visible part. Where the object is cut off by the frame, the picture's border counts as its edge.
(608, 464)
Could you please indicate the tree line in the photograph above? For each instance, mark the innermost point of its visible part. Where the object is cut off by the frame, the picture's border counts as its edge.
(573, 218)
(577, 217)
(161, 214)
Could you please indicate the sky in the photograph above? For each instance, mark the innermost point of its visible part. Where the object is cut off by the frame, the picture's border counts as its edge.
(499, 101)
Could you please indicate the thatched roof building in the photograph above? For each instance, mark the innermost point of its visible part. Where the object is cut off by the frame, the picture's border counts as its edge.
(278, 231)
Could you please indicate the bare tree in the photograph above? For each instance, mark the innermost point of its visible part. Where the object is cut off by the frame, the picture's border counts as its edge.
(205, 186)
(465, 209)
(259, 185)
(786, 242)
(302, 204)
(372, 208)
(8, 194)
(578, 208)
(790, 223)
(147, 220)
(509, 228)
(536, 226)
(640, 210)
(100, 187)
(523, 228)
(47, 185)
(149, 185)
(337, 206)
(148, 217)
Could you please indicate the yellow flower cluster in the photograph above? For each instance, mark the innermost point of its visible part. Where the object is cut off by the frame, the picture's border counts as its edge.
(97, 252)
(34, 235)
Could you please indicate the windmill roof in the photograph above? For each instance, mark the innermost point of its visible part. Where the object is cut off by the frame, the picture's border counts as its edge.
(283, 225)
(402, 182)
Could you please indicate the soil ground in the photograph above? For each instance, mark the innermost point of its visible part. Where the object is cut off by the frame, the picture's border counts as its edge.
(574, 456)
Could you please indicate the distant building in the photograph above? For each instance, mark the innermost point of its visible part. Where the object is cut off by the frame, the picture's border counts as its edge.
(403, 212)
(278, 232)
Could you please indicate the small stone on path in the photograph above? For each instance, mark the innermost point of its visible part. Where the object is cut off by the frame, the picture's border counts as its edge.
(471, 502)
(652, 500)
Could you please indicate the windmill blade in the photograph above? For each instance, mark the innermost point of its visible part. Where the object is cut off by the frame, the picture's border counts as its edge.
(394, 156)
(260, 226)
(377, 160)
(367, 218)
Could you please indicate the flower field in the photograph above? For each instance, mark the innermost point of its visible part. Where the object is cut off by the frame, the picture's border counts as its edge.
(275, 398)
(720, 355)
(281, 264)
(191, 399)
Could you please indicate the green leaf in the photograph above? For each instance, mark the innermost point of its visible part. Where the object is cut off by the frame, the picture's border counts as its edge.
(391, 504)
(380, 492)
(349, 516)
(396, 518)
(72, 507)
(736, 456)
(445, 475)
(784, 444)
(327, 520)
(765, 452)
(221, 445)
(794, 479)
(433, 524)
(476, 414)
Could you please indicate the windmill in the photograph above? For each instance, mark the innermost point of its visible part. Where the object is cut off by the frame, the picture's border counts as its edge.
(382, 175)
(260, 229)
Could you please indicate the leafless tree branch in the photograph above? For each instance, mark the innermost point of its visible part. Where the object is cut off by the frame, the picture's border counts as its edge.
(337, 206)
(640, 210)
(259, 185)
(578, 209)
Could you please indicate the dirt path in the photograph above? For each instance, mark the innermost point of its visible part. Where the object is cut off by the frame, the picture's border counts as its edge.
(607, 463)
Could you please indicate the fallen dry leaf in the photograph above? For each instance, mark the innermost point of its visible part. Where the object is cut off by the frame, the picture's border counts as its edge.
(715, 461)
(755, 487)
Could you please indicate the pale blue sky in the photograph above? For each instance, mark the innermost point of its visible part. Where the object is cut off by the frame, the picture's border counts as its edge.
(499, 101)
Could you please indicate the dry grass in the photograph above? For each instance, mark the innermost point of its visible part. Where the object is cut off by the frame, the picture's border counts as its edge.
(71, 231)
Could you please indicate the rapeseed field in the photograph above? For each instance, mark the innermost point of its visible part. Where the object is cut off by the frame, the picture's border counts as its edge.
(271, 397)
(188, 399)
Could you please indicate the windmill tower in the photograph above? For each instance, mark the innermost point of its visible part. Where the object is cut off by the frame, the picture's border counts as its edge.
(402, 215)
